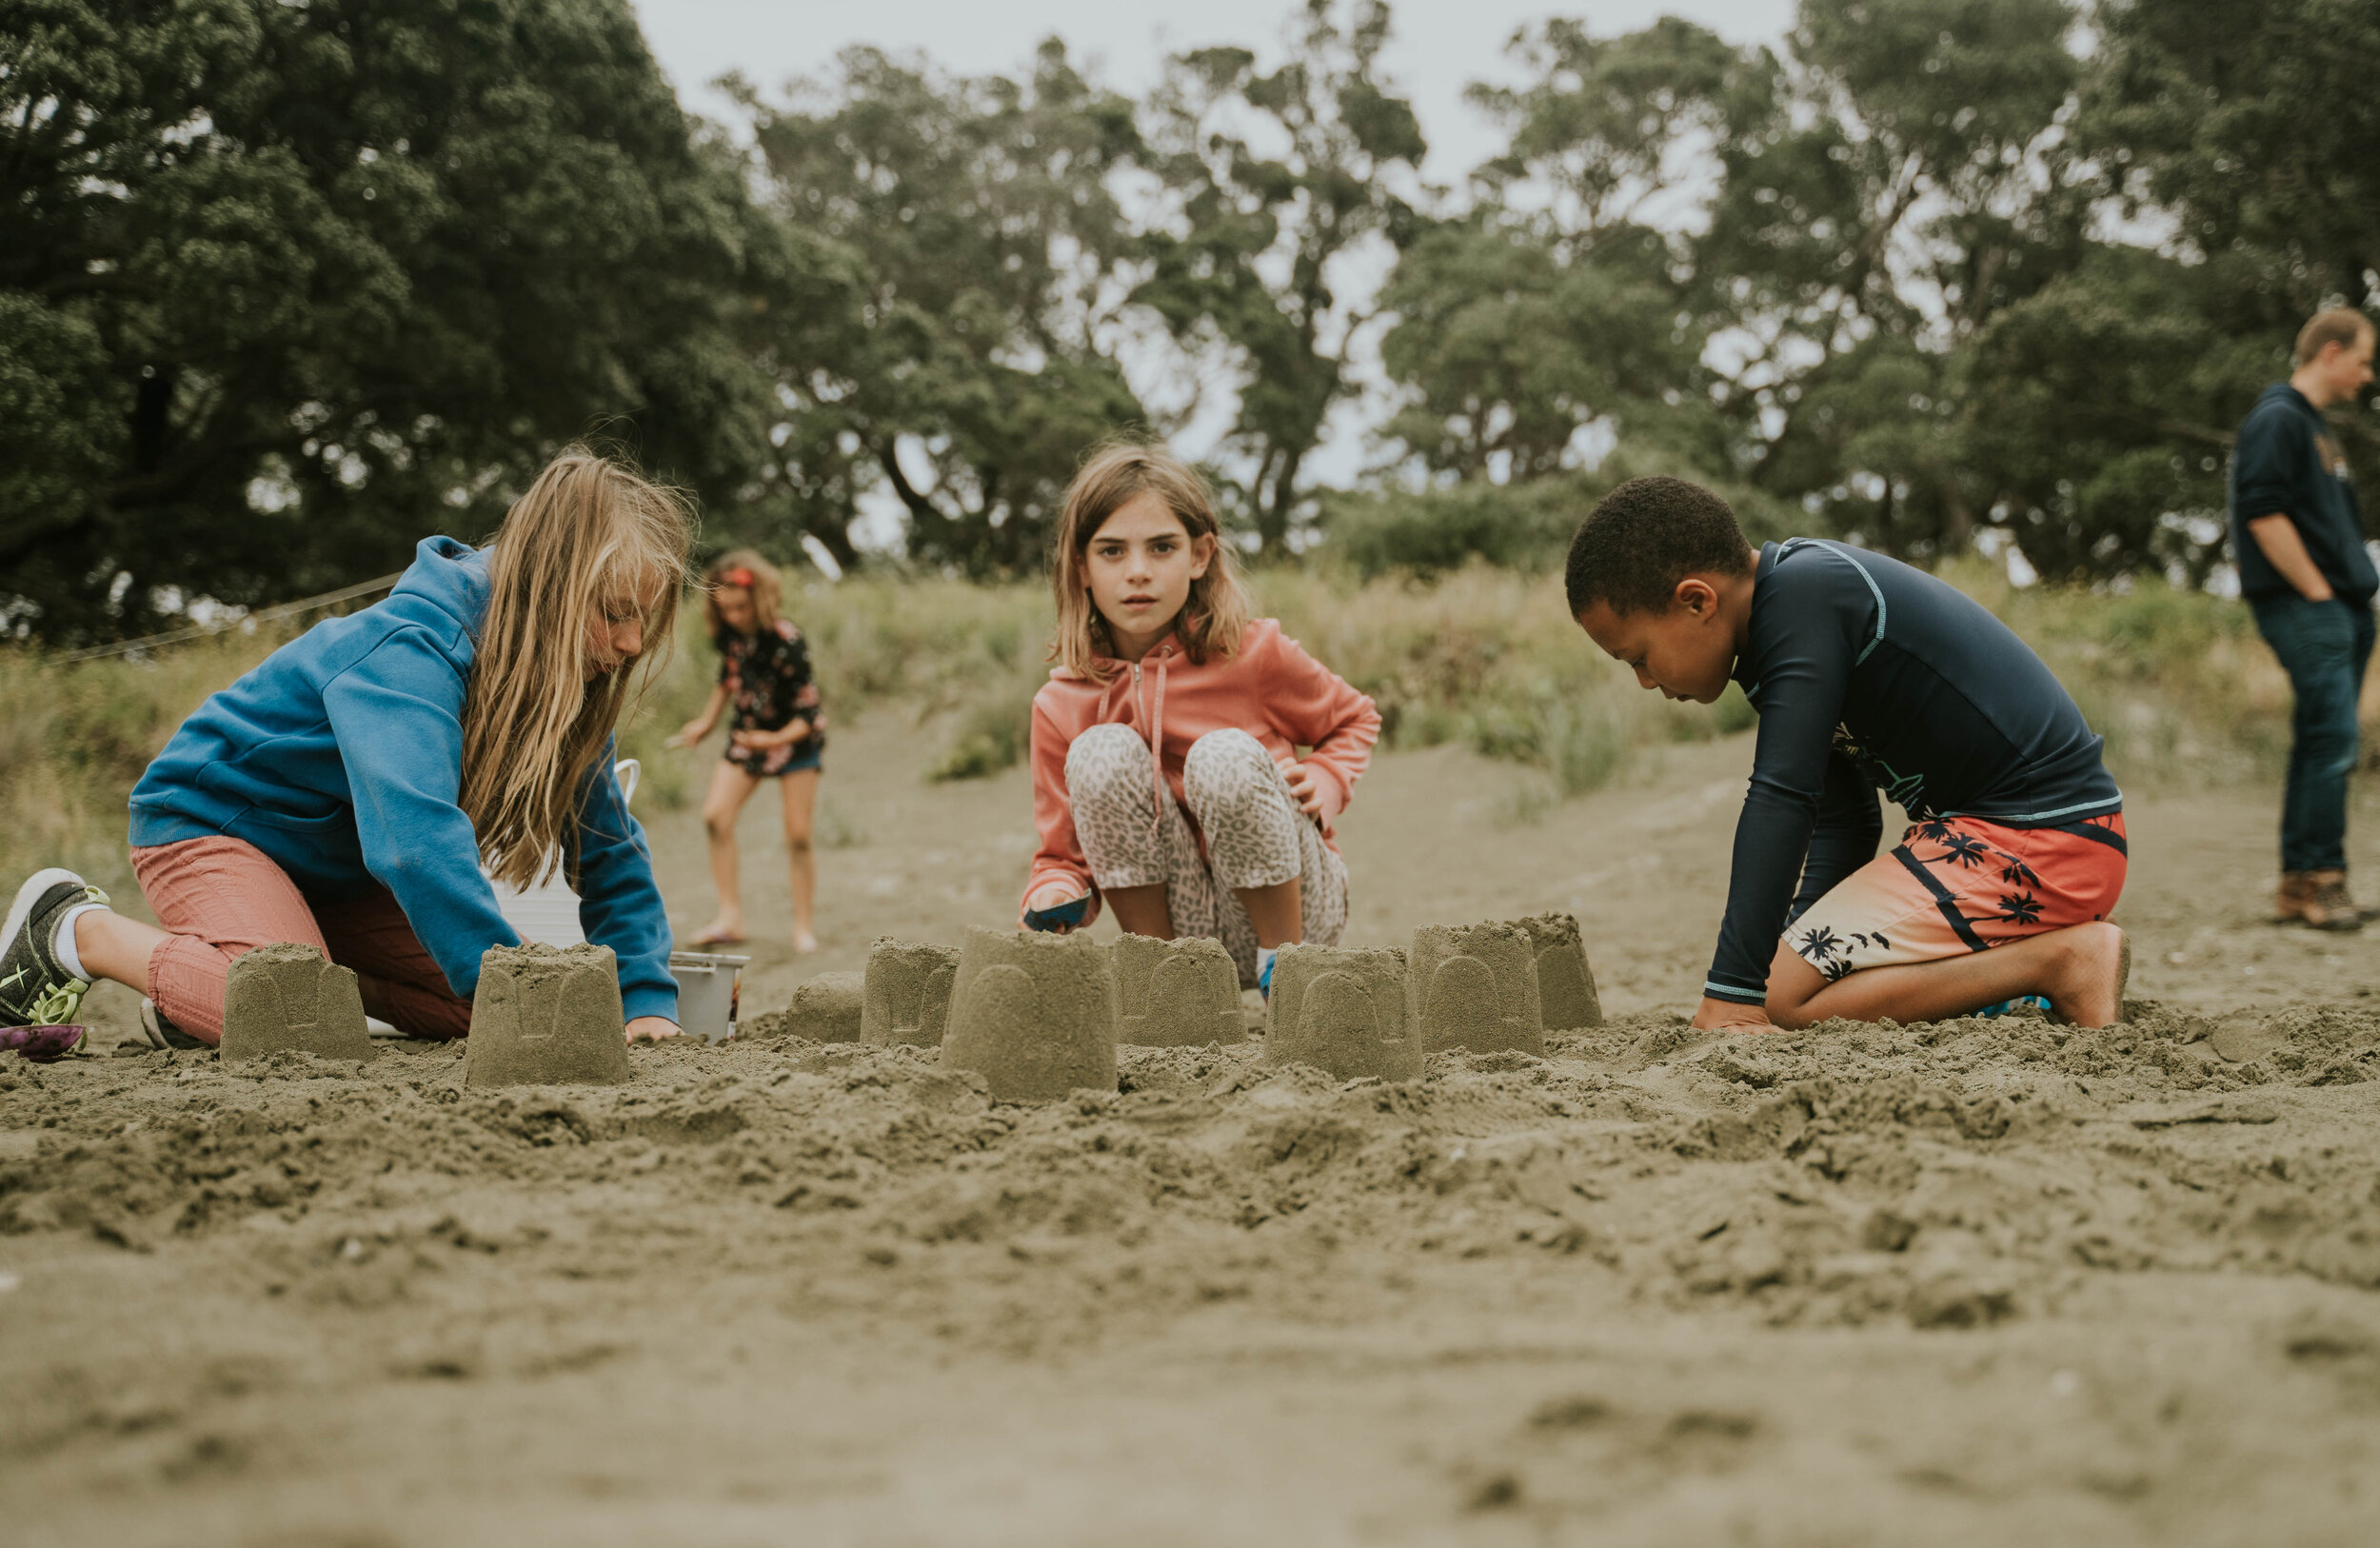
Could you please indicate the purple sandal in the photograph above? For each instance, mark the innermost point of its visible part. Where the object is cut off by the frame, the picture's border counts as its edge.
(42, 1044)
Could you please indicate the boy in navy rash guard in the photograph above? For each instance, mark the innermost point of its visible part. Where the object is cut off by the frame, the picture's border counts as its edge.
(1869, 675)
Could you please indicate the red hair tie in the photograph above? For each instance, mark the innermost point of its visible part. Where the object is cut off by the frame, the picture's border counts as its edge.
(739, 577)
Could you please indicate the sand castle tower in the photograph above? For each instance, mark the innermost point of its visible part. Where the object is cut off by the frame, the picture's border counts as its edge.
(1565, 981)
(1176, 993)
(1342, 1010)
(290, 997)
(548, 1016)
(905, 996)
(1475, 986)
(827, 1008)
(1034, 1014)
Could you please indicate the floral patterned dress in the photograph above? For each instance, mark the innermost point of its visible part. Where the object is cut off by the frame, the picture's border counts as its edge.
(767, 678)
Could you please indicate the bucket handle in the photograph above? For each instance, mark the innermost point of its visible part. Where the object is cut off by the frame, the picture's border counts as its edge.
(627, 771)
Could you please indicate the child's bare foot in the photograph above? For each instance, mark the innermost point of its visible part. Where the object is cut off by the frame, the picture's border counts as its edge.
(2088, 987)
(726, 930)
(804, 942)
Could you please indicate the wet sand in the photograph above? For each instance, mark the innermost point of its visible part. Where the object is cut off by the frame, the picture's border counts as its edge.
(1970, 1282)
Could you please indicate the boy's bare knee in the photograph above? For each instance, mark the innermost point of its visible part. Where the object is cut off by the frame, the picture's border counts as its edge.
(1793, 984)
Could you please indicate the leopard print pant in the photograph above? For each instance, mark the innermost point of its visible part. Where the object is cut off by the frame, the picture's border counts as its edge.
(1254, 830)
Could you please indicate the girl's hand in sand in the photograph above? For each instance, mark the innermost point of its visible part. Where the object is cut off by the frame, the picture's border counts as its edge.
(1726, 1016)
(1051, 895)
(1303, 785)
(651, 1029)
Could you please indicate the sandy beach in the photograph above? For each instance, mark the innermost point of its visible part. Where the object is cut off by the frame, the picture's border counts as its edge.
(1971, 1282)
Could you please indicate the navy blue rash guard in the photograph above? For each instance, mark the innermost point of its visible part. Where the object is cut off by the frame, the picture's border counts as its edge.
(1870, 675)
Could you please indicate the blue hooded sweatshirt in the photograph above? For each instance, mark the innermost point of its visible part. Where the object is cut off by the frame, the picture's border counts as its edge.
(341, 758)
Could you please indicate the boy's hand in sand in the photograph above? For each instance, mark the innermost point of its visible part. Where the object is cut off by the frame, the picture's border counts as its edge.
(651, 1029)
(1726, 1016)
(1303, 785)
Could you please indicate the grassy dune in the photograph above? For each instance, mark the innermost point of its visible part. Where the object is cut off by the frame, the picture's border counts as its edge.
(2177, 682)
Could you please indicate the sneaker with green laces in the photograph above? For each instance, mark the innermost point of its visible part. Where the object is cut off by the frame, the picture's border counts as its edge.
(35, 987)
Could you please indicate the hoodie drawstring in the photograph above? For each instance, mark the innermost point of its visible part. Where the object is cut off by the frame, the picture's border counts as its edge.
(1156, 719)
(1157, 758)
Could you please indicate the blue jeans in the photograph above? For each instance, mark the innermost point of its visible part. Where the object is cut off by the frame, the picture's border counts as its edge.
(2324, 647)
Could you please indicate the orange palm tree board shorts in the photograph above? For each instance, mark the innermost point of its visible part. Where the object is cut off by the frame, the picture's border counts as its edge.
(1960, 884)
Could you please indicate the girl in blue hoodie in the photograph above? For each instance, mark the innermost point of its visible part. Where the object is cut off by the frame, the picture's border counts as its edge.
(344, 793)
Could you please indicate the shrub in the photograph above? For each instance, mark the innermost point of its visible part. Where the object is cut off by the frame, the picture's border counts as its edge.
(1524, 527)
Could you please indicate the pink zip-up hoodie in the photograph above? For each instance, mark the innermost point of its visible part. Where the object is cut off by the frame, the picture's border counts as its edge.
(1272, 690)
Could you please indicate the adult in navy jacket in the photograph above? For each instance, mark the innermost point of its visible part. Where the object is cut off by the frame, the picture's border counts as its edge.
(2298, 536)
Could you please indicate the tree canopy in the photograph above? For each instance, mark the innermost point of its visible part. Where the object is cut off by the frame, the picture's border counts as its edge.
(971, 362)
(286, 284)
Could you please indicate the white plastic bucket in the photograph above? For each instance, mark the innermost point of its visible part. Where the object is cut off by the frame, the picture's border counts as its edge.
(548, 912)
(709, 987)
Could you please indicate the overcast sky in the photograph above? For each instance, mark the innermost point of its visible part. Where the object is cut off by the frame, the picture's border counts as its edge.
(1439, 47)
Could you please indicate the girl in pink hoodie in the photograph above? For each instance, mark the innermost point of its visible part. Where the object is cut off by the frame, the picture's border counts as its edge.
(1166, 771)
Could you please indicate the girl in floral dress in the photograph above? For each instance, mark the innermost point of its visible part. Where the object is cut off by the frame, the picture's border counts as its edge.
(778, 732)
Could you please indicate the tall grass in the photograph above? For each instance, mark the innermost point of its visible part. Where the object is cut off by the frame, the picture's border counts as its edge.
(2177, 683)
(74, 738)
(1489, 658)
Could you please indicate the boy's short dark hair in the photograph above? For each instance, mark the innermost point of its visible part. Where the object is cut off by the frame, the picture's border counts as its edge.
(1645, 537)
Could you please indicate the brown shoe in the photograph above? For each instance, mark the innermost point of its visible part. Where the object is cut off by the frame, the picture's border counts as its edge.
(2327, 905)
(2289, 902)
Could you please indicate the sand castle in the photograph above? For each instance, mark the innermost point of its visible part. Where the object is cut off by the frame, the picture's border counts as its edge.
(1566, 993)
(291, 998)
(905, 997)
(1034, 1014)
(1342, 1010)
(827, 1008)
(1475, 986)
(1176, 993)
(548, 1016)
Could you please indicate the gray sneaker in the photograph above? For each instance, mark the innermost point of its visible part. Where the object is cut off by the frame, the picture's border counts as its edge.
(35, 987)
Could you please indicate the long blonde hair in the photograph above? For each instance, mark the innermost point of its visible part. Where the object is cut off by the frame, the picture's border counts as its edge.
(1216, 615)
(590, 535)
(745, 569)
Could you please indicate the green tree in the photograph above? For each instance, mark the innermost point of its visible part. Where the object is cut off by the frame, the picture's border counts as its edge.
(987, 249)
(2102, 413)
(1898, 182)
(2241, 143)
(2256, 127)
(285, 287)
(1276, 183)
(1563, 298)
